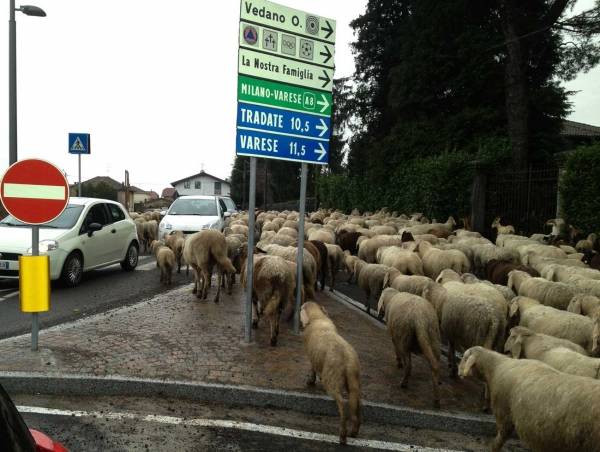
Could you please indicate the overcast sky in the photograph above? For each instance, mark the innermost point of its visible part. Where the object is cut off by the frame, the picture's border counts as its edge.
(154, 82)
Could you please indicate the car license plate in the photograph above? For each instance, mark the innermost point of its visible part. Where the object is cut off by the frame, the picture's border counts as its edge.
(4, 265)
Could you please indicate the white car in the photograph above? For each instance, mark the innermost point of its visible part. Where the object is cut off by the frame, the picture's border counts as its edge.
(191, 214)
(88, 234)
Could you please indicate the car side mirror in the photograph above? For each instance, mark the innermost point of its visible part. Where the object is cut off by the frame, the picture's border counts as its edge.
(93, 227)
(227, 214)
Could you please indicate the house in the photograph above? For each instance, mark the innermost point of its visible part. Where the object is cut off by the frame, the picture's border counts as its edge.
(107, 185)
(202, 184)
(578, 134)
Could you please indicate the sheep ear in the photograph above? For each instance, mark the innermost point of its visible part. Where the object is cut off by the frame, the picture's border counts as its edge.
(386, 280)
(324, 310)
(517, 347)
(574, 307)
(467, 368)
(513, 309)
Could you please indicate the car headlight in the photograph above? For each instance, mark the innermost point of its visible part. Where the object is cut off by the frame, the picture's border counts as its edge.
(167, 226)
(45, 246)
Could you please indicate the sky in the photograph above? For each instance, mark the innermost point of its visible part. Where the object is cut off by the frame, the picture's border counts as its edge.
(154, 83)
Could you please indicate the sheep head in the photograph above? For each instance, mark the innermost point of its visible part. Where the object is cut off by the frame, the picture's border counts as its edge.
(468, 363)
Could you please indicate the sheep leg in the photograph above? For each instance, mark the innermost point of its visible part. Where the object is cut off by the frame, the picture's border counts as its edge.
(354, 408)
(340, 404)
(219, 283)
(179, 265)
(274, 321)
(254, 315)
(504, 429)
(485, 399)
(312, 378)
(452, 361)
(407, 361)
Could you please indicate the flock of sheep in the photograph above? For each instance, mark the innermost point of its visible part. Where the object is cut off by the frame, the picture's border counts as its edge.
(536, 298)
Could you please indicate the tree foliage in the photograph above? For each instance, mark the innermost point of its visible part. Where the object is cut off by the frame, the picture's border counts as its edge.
(580, 188)
(100, 190)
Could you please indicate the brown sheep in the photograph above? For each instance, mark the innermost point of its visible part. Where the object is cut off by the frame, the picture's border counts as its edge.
(273, 288)
(414, 328)
(176, 241)
(347, 240)
(202, 251)
(335, 362)
(323, 269)
(497, 271)
(165, 260)
(314, 251)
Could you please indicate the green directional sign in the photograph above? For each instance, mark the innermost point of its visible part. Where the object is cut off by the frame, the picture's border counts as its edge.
(275, 94)
(286, 45)
(272, 67)
(282, 18)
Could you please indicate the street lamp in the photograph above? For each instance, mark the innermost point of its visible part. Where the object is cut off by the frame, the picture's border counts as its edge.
(28, 10)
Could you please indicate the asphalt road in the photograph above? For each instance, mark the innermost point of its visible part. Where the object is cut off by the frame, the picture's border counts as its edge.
(136, 424)
(99, 291)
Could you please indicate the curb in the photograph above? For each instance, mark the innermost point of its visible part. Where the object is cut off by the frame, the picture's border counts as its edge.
(81, 385)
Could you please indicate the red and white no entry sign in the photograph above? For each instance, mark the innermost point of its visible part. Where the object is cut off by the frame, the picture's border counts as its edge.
(34, 191)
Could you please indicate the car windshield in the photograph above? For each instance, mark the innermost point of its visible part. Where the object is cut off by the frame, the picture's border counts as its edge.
(203, 207)
(66, 220)
(230, 204)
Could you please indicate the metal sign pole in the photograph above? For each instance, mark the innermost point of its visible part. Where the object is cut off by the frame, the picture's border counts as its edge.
(250, 260)
(300, 256)
(35, 251)
(79, 186)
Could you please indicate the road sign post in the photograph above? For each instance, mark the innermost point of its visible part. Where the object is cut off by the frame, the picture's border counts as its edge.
(34, 192)
(285, 79)
(79, 143)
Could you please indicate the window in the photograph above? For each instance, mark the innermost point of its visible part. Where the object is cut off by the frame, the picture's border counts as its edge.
(217, 188)
(197, 185)
(96, 214)
(223, 206)
(186, 184)
(116, 213)
(186, 206)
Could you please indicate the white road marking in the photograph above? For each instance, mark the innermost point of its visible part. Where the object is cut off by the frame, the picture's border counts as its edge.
(9, 295)
(246, 426)
(147, 266)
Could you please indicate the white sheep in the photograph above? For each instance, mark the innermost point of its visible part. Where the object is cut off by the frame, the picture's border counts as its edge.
(550, 410)
(413, 326)
(558, 353)
(586, 305)
(554, 322)
(405, 261)
(557, 295)
(436, 260)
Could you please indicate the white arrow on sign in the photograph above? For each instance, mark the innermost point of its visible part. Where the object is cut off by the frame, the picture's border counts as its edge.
(321, 152)
(323, 103)
(322, 127)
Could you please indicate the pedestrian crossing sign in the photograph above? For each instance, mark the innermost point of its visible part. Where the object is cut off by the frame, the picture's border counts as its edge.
(79, 143)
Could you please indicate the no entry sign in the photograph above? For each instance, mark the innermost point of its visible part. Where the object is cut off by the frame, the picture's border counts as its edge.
(34, 191)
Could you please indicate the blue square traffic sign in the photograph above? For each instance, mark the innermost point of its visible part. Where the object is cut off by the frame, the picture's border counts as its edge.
(79, 143)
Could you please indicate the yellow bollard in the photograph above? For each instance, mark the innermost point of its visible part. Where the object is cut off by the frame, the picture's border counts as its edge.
(34, 283)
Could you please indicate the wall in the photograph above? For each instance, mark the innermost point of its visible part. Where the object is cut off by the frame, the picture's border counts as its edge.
(207, 187)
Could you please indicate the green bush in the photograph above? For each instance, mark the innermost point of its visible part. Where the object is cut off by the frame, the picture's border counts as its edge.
(580, 188)
(438, 186)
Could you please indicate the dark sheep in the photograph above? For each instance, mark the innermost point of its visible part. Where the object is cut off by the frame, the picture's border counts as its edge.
(407, 237)
(347, 241)
(497, 271)
(324, 266)
(591, 258)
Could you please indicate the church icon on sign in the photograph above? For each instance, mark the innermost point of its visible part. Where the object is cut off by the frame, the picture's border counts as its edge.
(250, 35)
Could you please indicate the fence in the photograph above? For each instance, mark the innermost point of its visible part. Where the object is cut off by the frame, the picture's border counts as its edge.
(525, 199)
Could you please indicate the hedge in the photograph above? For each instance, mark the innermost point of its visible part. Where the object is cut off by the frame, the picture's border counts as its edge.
(436, 186)
(580, 188)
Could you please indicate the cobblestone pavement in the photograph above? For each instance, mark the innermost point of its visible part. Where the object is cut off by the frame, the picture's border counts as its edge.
(176, 336)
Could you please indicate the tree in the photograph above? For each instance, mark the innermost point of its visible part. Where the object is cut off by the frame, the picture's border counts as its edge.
(100, 190)
(534, 34)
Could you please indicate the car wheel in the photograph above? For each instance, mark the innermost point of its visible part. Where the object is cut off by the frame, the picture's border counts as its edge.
(131, 258)
(72, 271)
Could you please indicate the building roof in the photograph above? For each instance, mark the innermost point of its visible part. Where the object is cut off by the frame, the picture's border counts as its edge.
(579, 129)
(107, 180)
(201, 173)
